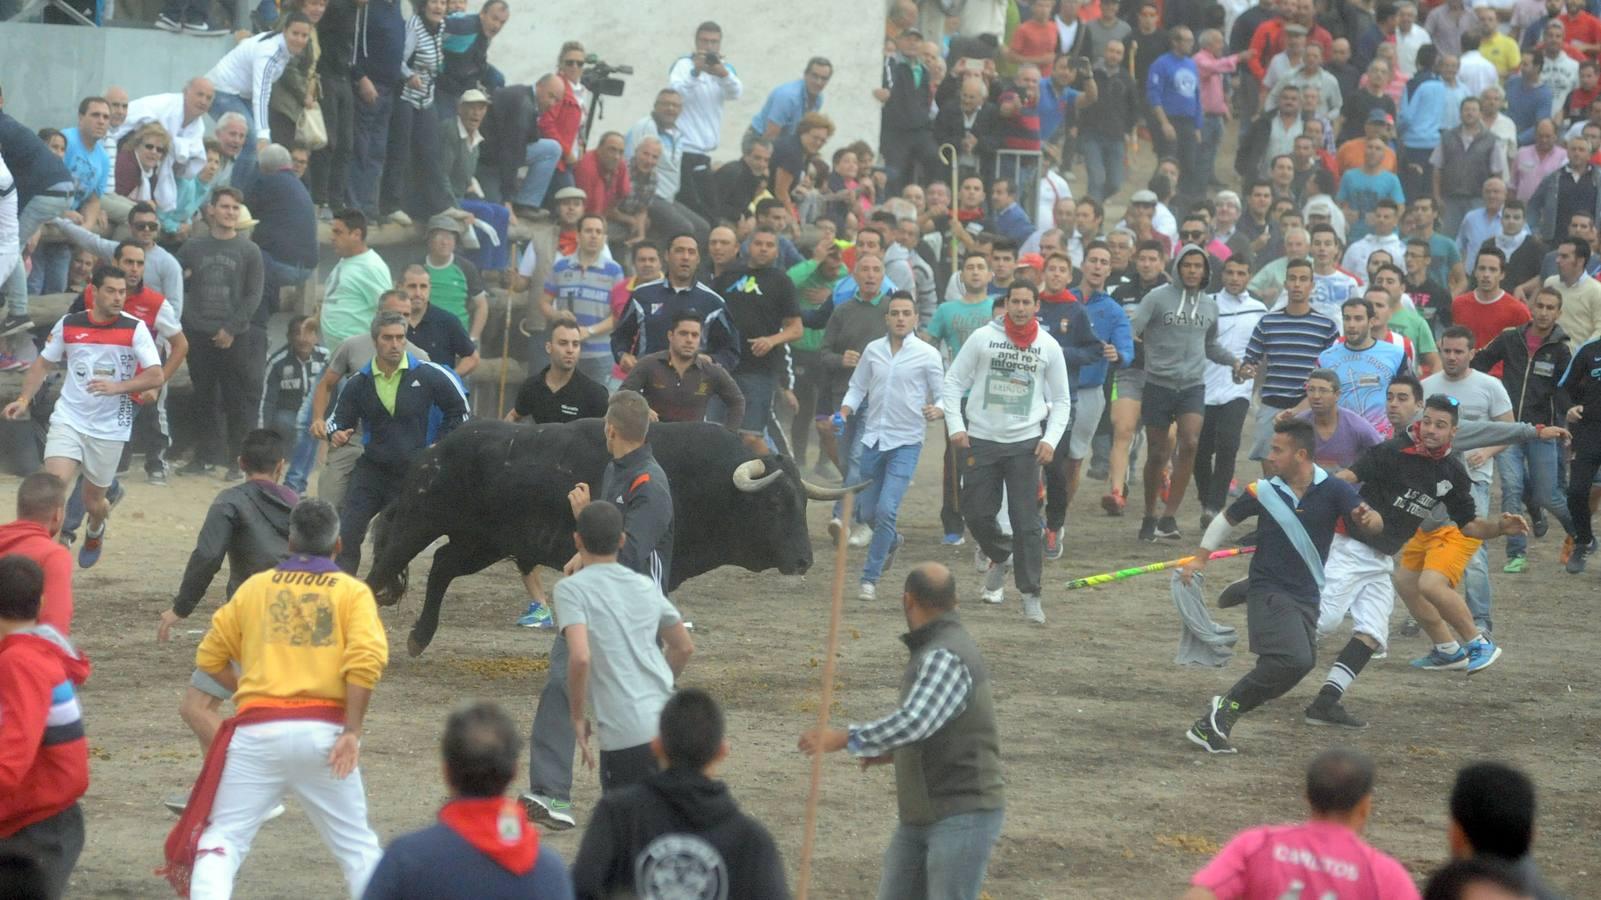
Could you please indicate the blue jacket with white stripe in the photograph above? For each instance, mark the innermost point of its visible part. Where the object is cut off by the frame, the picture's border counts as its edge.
(393, 439)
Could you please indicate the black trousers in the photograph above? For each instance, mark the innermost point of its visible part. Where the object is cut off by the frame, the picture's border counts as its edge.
(330, 167)
(222, 384)
(1586, 460)
(372, 486)
(1215, 454)
(1283, 633)
(808, 374)
(630, 765)
(695, 188)
(411, 181)
(906, 152)
(55, 842)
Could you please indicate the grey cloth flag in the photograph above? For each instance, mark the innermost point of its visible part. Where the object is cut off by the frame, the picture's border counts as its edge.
(1202, 642)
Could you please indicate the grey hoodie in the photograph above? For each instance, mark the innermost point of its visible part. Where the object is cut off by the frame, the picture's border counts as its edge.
(1178, 328)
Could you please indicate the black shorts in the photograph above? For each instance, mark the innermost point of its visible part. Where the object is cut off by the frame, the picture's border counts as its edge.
(1162, 406)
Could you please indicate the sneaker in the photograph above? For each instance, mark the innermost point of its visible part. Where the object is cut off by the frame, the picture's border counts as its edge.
(1113, 503)
(1332, 713)
(1222, 717)
(1437, 661)
(399, 218)
(835, 526)
(1203, 735)
(1097, 472)
(537, 616)
(1517, 565)
(1538, 523)
(1410, 627)
(66, 537)
(1207, 515)
(894, 546)
(196, 467)
(166, 23)
(1482, 654)
(157, 477)
(1148, 529)
(954, 539)
(204, 29)
(116, 493)
(1167, 527)
(177, 803)
(556, 815)
(10, 363)
(13, 324)
(861, 535)
(233, 474)
(1032, 610)
(93, 544)
(867, 591)
(1577, 557)
(1053, 543)
(981, 563)
(995, 583)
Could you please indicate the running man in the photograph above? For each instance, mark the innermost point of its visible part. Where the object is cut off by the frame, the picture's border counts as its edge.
(1365, 366)
(1128, 387)
(109, 357)
(953, 323)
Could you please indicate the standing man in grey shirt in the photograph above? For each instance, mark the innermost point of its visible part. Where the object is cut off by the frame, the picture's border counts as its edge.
(224, 274)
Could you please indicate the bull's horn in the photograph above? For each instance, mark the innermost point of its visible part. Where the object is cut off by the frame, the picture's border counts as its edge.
(748, 476)
(818, 492)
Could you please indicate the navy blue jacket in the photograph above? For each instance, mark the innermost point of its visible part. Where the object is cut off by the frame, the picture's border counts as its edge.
(393, 440)
(643, 326)
(380, 44)
(436, 863)
(1070, 325)
(34, 168)
(287, 229)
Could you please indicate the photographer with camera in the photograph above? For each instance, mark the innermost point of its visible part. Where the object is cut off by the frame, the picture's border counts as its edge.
(705, 81)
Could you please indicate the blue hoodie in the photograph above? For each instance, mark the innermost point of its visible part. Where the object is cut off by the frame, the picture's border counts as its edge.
(1175, 85)
(1110, 323)
(1422, 114)
(380, 44)
(1066, 320)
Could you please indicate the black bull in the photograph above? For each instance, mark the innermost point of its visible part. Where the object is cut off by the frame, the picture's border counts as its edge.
(499, 490)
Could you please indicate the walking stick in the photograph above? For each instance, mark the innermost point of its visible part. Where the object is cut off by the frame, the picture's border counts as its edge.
(505, 350)
(956, 177)
(835, 613)
(1121, 574)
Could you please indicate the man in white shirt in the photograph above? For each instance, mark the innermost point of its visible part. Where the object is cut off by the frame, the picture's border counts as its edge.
(1382, 220)
(662, 124)
(1561, 70)
(1476, 73)
(184, 117)
(1409, 38)
(705, 81)
(901, 378)
(10, 247)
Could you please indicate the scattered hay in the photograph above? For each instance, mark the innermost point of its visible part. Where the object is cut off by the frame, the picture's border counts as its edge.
(500, 667)
(99, 753)
(1415, 750)
(1190, 843)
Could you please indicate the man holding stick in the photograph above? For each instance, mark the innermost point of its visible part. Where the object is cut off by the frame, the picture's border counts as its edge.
(944, 745)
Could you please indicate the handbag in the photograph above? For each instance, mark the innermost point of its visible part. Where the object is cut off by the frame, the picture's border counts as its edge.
(312, 129)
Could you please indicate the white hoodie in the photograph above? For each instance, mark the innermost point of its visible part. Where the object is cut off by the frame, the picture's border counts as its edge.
(1009, 391)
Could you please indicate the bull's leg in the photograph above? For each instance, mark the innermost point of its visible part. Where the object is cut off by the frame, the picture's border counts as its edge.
(451, 562)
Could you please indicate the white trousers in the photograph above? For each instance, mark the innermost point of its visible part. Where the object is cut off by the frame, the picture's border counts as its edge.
(1357, 581)
(266, 761)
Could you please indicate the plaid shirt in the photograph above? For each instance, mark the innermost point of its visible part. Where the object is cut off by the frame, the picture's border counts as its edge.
(938, 695)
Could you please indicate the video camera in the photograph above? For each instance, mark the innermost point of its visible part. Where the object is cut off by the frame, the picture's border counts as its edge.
(600, 76)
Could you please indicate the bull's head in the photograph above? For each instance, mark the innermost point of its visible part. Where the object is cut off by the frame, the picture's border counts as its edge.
(772, 490)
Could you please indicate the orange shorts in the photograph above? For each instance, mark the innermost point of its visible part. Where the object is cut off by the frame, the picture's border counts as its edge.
(1445, 550)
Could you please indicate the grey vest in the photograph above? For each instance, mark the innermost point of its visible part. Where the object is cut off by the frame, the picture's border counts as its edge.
(1464, 172)
(957, 769)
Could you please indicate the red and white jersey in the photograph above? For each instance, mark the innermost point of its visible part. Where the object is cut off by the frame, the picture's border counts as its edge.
(1405, 343)
(98, 351)
(148, 307)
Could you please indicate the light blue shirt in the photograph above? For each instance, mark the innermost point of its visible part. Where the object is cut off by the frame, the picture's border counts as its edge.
(90, 168)
(784, 108)
(899, 385)
(1422, 115)
(1476, 228)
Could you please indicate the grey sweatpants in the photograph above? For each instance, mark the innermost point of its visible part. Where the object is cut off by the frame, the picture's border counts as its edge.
(988, 469)
(550, 758)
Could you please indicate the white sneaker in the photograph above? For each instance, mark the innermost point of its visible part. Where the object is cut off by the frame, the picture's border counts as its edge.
(835, 526)
(176, 803)
(868, 591)
(399, 218)
(1032, 610)
(556, 815)
(861, 536)
(995, 583)
(981, 563)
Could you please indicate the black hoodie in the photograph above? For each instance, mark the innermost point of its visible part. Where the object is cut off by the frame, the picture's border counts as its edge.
(680, 831)
(247, 523)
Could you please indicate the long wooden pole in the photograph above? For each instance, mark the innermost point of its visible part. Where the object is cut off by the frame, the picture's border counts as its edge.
(505, 346)
(835, 613)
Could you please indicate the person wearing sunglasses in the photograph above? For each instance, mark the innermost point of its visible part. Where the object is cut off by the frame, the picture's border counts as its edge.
(163, 274)
(139, 170)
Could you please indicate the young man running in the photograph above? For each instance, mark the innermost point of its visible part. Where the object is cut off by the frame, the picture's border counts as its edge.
(1239, 317)
(109, 357)
(1365, 366)
(1128, 387)
(953, 322)
(1068, 322)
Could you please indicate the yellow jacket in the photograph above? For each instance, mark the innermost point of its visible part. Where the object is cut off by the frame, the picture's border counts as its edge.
(299, 632)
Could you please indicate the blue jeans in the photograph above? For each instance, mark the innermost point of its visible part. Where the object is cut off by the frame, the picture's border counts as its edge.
(244, 165)
(1211, 136)
(277, 276)
(890, 472)
(30, 218)
(541, 160)
(1103, 161)
(1539, 462)
(295, 430)
(51, 263)
(942, 861)
(1476, 583)
(371, 148)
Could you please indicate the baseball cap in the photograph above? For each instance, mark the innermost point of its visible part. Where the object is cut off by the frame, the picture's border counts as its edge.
(1379, 115)
(1032, 261)
(571, 193)
(914, 31)
(1144, 197)
(1320, 208)
(474, 96)
(443, 222)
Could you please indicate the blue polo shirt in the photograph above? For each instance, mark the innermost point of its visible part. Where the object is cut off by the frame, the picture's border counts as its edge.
(1053, 106)
(785, 106)
(585, 291)
(1277, 567)
(89, 168)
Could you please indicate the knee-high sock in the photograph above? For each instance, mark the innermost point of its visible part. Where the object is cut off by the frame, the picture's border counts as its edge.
(1346, 667)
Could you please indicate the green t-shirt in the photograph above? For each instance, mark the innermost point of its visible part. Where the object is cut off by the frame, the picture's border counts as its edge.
(955, 320)
(451, 284)
(804, 276)
(1409, 323)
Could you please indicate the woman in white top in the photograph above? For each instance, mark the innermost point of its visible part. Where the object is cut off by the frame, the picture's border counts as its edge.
(244, 79)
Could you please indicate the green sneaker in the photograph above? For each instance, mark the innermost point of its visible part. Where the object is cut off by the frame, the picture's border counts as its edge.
(1517, 565)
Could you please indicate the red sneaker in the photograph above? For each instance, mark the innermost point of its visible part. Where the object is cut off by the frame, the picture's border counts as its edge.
(1113, 503)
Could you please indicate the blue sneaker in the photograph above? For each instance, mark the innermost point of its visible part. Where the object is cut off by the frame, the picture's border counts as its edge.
(954, 540)
(1437, 661)
(1482, 653)
(537, 616)
(89, 553)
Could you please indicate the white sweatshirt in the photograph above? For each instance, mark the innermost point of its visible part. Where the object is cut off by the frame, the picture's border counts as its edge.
(250, 69)
(1009, 391)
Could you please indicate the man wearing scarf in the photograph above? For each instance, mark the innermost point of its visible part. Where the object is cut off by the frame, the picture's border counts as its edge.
(1014, 378)
(310, 649)
(482, 845)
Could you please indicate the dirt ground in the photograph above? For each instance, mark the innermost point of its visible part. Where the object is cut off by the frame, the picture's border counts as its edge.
(1105, 797)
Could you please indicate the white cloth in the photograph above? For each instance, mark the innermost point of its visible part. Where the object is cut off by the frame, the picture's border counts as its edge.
(898, 385)
(1237, 315)
(98, 352)
(249, 70)
(1477, 73)
(1356, 255)
(1053, 187)
(265, 762)
(1357, 581)
(187, 154)
(700, 125)
(10, 228)
(1562, 74)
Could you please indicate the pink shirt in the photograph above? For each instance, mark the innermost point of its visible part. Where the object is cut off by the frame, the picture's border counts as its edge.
(1212, 70)
(1529, 169)
(1316, 859)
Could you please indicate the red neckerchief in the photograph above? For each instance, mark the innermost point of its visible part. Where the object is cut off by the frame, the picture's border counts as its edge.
(969, 215)
(1023, 336)
(1065, 296)
(495, 827)
(1415, 432)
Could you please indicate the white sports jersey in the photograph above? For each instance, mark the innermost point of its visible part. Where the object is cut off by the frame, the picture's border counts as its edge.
(10, 246)
(98, 351)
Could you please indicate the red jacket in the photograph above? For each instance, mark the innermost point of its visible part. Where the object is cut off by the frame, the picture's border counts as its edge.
(601, 192)
(44, 768)
(560, 123)
(30, 539)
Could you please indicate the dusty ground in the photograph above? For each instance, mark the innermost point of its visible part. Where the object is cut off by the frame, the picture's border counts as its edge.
(1106, 798)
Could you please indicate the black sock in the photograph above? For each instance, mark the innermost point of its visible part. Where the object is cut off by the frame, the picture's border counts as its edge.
(1346, 667)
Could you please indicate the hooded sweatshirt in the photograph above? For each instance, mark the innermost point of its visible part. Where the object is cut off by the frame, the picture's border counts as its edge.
(34, 541)
(677, 825)
(45, 766)
(1010, 391)
(1178, 327)
(249, 525)
(1069, 323)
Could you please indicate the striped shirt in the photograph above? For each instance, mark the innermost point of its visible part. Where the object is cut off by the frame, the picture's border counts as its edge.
(1291, 345)
(939, 695)
(585, 291)
(424, 57)
(250, 70)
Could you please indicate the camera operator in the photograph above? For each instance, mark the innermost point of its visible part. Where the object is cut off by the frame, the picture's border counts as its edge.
(705, 81)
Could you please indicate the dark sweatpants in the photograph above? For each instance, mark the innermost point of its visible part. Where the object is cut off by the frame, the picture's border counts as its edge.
(1283, 633)
(55, 842)
(372, 486)
(222, 392)
(988, 468)
(1216, 451)
(630, 765)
